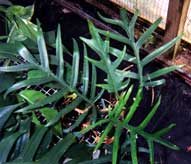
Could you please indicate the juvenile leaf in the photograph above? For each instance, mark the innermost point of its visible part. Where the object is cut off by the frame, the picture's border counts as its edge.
(132, 25)
(77, 123)
(6, 145)
(105, 133)
(54, 155)
(98, 64)
(133, 107)
(164, 130)
(95, 35)
(93, 82)
(25, 54)
(85, 72)
(64, 111)
(161, 72)
(110, 21)
(17, 68)
(159, 51)
(151, 151)
(5, 113)
(150, 115)
(114, 36)
(42, 49)
(50, 99)
(75, 65)
(99, 123)
(133, 147)
(116, 145)
(33, 144)
(59, 54)
(6, 80)
(127, 57)
(25, 83)
(143, 39)
(124, 18)
(27, 28)
(155, 83)
(120, 58)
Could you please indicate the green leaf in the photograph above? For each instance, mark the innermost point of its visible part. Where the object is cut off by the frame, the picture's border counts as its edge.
(119, 59)
(59, 54)
(8, 51)
(114, 36)
(103, 136)
(92, 44)
(95, 35)
(36, 74)
(132, 25)
(122, 102)
(25, 54)
(129, 74)
(50, 99)
(98, 64)
(110, 21)
(99, 123)
(64, 111)
(6, 80)
(161, 72)
(23, 12)
(32, 96)
(25, 83)
(164, 130)
(155, 83)
(144, 38)
(147, 119)
(159, 51)
(93, 82)
(127, 57)
(133, 107)
(50, 113)
(116, 145)
(42, 49)
(54, 155)
(133, 147)
(151, 151)
(124, 18)
(85, 72)
(6, 145)
(75, 65)
(17, 68)
(5, 113)
(77, 122)
(27, 28)
(33, 144)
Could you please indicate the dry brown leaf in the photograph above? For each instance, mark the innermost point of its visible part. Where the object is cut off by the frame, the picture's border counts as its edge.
(108, 140)
(80, 111)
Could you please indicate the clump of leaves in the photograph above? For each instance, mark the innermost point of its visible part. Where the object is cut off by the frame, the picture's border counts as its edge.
(118, 79)
(34, 65)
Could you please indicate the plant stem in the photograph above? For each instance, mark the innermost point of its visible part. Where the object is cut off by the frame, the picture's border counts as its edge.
(139, 66)
(63, 83)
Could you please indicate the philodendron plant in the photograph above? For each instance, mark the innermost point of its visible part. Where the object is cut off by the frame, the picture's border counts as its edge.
(32, 125)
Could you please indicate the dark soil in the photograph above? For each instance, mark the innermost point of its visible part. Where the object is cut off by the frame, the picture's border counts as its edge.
(176, 94)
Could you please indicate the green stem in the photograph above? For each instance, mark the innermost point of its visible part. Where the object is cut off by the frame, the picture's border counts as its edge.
(139, 66)
(110, 73)
(63, 83)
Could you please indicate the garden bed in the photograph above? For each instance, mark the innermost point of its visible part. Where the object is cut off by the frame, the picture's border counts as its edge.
(175, 107)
